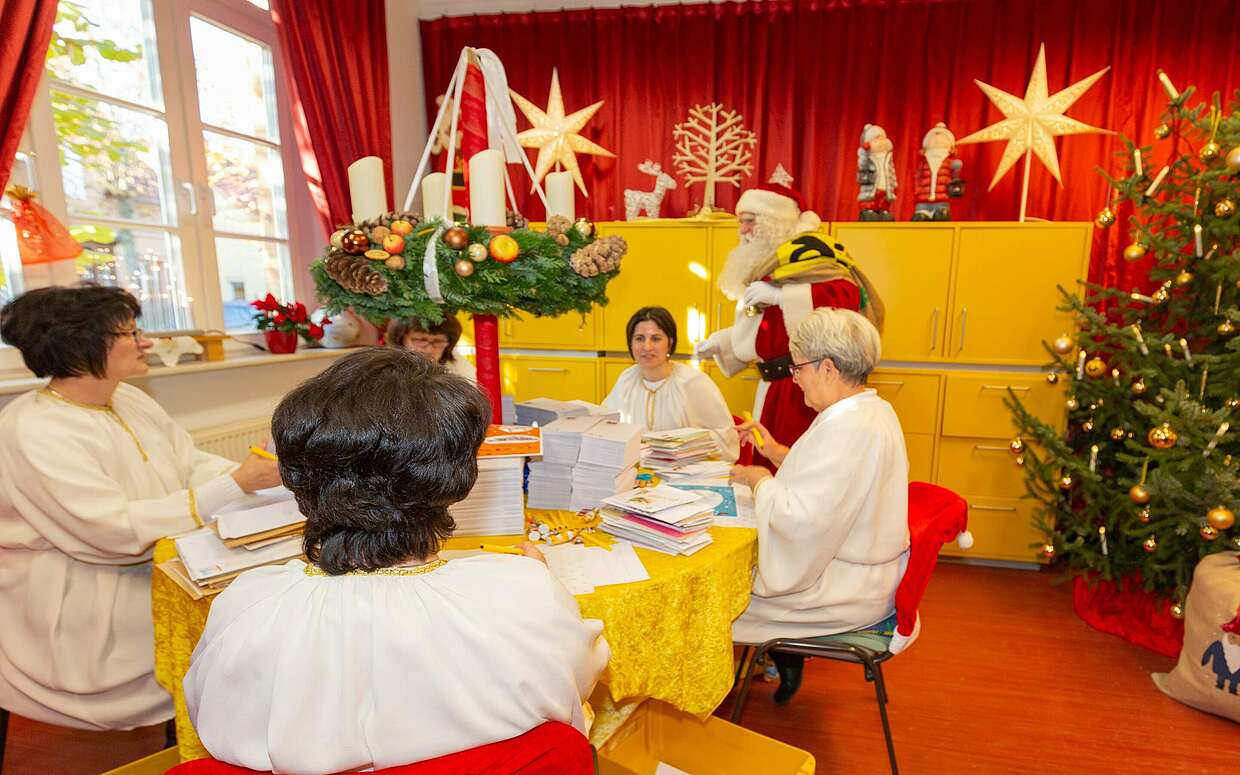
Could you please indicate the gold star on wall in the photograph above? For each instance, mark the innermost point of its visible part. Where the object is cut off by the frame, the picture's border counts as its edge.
(1033, 123)
(555, 135)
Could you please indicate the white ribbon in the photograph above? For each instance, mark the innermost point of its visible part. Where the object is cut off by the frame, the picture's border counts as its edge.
(430, 266)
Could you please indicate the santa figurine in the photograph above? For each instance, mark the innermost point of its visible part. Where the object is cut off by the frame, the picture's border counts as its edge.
(781, 271)
(938, 176)
(876, 174)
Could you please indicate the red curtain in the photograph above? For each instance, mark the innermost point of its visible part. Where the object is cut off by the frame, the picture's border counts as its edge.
(25, 31)
(335, 61)
(808, 75)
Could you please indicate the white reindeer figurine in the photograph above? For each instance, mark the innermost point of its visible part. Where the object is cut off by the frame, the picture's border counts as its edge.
(650, 201)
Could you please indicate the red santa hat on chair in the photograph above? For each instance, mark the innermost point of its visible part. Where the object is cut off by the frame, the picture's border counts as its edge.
(780, 203)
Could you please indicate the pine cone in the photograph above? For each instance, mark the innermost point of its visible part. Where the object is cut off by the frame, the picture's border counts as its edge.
(557, 225)
(516, 220)
(355, 274)
(599, 257)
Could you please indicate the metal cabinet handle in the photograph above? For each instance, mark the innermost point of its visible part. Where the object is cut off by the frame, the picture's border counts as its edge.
(964, 318)
(547, 369)
(892, 383)
(1017, 388)
(750, 378)
(934, 330)
(992, 508)
(189, 189)
(990, 448)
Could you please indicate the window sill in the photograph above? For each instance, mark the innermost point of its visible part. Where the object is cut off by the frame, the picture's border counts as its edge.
(23, 381)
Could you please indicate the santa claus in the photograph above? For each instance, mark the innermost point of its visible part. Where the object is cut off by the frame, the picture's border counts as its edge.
(938, 175)
(781, 271)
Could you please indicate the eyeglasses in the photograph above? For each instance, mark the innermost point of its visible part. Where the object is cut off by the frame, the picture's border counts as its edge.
(135, 333)
(422, 341)
(795, 368)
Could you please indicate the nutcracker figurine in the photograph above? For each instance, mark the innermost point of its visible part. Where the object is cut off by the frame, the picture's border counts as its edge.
(938, 176)
(876, 174)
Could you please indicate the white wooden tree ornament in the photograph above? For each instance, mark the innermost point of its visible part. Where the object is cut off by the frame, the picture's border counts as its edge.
(712, 146)
(636, 201)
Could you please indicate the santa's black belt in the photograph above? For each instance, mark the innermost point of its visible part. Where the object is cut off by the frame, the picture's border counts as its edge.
(776, 368)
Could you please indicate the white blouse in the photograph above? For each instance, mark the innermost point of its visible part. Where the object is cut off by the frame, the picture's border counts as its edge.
(301, 673)
(686, 399)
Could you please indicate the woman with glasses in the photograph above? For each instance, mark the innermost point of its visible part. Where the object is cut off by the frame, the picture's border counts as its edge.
(92, 473)
(833, 519)
(435, 342)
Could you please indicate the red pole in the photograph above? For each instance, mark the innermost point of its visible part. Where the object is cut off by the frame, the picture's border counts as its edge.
(486, 342)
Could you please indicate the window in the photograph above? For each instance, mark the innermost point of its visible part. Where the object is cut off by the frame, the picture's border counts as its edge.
(10, 261)
(161, 135)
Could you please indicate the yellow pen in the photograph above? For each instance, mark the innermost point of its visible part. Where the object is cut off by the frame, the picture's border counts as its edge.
(500, 549)
(757, 437)
(261, 452)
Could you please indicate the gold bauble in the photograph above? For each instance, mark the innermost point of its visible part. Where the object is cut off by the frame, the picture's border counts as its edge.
(1072, 404)
(1221, 518)
(1235, 543)
(1232, 403)
(1088, 426)
(1138, 387)
(456, 238)
(1150, 545)
(1209, 152)
(1224, 208)
(1105, 218)
(477, 252)
(1226, 328)
(1208, 533)
(1139, 494)
(1162, 131)
(395, 263)
(1162, 436)
(1184, 278)
(1016, 446)
(1063, 344)
(1065, 482)
(584, 228)
(355, 242)
(464, 268)
(1095, 367)
(1143, 516)
(1160, 296)
(1177, 610)
(1117, 434)
(1233, 159)
(1048, 551)
(1134, 252)
(1052, 377)
(336, 238)
(1020, 460)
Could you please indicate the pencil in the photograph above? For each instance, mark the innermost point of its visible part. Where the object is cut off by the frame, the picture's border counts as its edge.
(500, 549)
(757, 437)
(261, 452)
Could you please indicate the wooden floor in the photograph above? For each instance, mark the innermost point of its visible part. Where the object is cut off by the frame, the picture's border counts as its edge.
(1004, 679)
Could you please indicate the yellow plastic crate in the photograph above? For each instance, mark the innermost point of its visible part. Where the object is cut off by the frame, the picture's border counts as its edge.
(657, 732)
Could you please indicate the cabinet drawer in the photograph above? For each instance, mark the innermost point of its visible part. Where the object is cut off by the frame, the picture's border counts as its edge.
(915, 397)
(980, 466)
(1002, 529)
(920, 448)
(573, 331)
(973, 404)
(560, 378)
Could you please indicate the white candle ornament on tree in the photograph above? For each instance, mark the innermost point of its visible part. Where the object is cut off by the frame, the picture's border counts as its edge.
(560, 195)
(712, 146)
(486, 188)
(367, 194)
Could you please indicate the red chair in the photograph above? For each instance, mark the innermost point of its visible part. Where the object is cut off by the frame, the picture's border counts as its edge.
(936, 516)
(553, 747)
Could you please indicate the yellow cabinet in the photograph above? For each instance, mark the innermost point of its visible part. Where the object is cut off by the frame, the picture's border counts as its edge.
(1002, 529)
(973, 404)
(910, 267)
(1006, 297)
(738, 391)
(527, 376)
(914, 396)
(612, 369)
(566, 332)
(980, 466)
(920, 449)
(723, 237)
(667, 265)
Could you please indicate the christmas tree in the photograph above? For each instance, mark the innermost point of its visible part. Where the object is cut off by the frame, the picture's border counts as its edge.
(1142, 482)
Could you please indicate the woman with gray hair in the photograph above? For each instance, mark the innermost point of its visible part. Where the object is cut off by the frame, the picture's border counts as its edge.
(833, 520)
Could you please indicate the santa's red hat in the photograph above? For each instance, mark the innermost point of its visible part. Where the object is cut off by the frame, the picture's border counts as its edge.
(780, 202)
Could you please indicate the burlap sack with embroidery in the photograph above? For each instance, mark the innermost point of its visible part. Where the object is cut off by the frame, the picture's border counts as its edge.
(1207, 677)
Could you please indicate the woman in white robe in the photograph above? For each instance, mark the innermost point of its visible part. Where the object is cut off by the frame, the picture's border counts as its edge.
(92, 473)
(436, 342)
(378, 652)
(833, 520)
(660, 394)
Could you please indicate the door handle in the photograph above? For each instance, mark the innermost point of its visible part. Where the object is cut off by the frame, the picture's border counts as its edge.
(719, 314)
(991, 448)
(934, 330)
(964, 318)
(1017, 388)
(892, 383)
(992, 508)
(192, 192)
(547, 369)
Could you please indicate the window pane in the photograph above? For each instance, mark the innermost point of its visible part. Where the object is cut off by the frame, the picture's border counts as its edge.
(107, 46)
(145, 262)
(114, 161)
(250, 269)
(10, 259)
(236, 81)
(247, 182)
(261, 4)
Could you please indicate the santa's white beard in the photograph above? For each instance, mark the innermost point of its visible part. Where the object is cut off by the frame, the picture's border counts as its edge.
(755, 256)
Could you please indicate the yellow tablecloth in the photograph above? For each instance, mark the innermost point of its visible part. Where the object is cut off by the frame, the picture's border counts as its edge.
(670, 637)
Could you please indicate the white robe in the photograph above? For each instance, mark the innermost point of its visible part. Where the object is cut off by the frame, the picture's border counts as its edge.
(686, 399)
(832, 527)
(313, 674)
(79, 512)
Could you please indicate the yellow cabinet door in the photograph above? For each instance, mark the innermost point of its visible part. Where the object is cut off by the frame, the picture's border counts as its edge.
(980, 466)
(564, 379)
(666, 266)
(920, 448)
(612, 369)
(738, 391)
(910, 267)
(973, 403)
(723, 237)
(1006, 301)
(1002, 529)
(914, 396)
(566, 332)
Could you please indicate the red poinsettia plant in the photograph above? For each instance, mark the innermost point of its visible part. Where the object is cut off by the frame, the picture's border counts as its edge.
(272, 315)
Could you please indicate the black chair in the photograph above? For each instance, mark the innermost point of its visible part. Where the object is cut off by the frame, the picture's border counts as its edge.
(4, 734)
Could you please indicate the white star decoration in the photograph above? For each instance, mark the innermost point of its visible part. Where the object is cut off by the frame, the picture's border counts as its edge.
(780, 176)
(1033, 123)
(555, 134)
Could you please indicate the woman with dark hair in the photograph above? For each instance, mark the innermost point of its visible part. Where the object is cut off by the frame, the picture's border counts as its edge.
(435, 342)
(660, 394)
(92, 473)
(378, 652)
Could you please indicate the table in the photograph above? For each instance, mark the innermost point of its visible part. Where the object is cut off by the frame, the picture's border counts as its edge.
(670, 636)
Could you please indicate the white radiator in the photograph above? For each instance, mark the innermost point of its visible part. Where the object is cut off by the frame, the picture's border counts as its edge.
(233, 441)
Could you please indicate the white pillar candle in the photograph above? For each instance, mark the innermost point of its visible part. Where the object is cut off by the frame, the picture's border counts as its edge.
(367, 195)
(560, 195)
(432, 196)
(486, 188)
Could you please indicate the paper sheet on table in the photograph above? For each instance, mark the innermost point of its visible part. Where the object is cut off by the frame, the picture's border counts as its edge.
(582, 568)
(235, 524)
